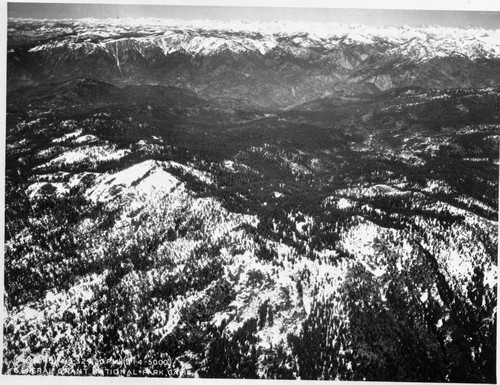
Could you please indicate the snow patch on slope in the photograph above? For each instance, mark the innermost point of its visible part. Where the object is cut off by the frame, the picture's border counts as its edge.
(94, 154)
(141, 178)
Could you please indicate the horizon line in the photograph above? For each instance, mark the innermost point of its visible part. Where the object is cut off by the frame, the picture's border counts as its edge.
(368, 16)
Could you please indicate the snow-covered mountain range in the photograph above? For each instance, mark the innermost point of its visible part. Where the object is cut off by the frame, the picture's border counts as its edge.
(209, 37)
(291, 63)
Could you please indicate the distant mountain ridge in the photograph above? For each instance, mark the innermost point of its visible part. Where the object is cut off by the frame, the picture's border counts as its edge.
(267, 64)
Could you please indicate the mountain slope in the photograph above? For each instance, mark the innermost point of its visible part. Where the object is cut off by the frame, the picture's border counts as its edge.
(283, 240)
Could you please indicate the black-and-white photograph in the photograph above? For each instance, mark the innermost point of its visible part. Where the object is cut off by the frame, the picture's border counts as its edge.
(251, 192)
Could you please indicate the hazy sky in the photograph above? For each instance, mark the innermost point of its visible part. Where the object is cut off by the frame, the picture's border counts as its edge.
(486, 19)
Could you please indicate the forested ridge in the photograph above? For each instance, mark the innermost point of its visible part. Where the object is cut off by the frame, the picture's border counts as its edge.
(283, 246)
